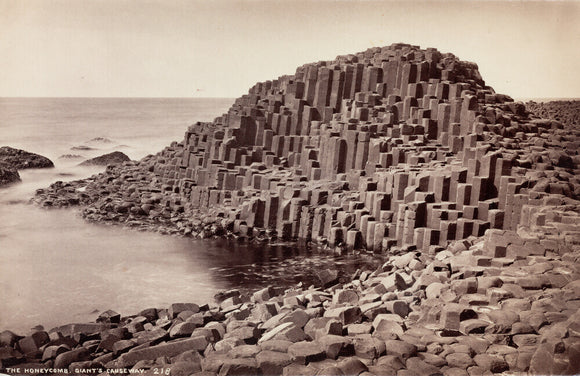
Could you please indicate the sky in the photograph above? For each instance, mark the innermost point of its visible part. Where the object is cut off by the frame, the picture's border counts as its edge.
(220, 48)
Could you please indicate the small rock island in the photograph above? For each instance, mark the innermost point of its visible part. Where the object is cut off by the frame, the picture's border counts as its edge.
(12, 160)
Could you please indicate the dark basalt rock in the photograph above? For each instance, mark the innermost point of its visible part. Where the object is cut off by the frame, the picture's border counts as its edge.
(99, 140)
(17, 159)
(82, 148)
(70, 156)
(115, 157)
(8, 176)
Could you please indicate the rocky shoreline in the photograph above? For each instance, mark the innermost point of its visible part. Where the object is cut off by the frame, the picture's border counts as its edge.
(498, 304)
(397, 150)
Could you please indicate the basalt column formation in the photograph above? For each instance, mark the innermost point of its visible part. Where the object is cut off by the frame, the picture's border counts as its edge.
(392, 147)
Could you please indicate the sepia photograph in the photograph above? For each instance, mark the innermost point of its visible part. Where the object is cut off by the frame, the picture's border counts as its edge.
(289, 187)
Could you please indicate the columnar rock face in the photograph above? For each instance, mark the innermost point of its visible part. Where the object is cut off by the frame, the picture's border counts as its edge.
(394, 149)
(394, 146)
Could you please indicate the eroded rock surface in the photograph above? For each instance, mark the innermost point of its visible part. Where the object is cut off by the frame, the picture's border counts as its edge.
(17, 159)
(8, 176)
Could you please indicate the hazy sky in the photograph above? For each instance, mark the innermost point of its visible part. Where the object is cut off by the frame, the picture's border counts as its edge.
(179, 48)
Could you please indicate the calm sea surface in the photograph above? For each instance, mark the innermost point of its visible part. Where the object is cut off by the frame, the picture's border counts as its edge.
(56, 268)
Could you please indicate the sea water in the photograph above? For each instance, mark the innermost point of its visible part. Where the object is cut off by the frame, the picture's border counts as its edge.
(55, 268)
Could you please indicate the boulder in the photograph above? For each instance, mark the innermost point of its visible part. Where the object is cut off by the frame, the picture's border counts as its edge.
(32, 343)
(335, 345)
(16, 159)
(346, 315)
(109, 317)
(8, 338)
(8, 176)
(115, 157)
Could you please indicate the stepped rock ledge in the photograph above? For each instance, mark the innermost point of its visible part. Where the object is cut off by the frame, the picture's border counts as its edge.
(398, 150)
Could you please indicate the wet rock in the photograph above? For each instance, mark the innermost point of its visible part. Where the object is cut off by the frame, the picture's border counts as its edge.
(346, 315)
(8, 176)
(183, 329)
(115, 157)
(16, 159)
(327, 277)
(263, 295)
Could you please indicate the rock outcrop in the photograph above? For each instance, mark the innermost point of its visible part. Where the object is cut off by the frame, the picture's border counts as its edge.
(12, 160)
(8, 176)
(115, 157)
(391, 147)
(17, 159)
